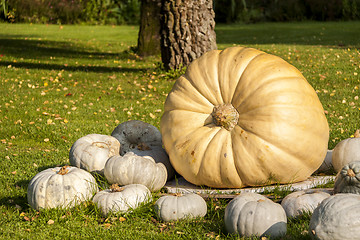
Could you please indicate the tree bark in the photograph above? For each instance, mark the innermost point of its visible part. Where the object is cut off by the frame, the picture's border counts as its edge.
(187, 31)
(149, 33)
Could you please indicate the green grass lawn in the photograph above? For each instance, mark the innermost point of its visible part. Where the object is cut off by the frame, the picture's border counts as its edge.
(59, 83)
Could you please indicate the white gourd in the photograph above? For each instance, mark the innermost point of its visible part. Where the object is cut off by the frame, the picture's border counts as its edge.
(143, 139)
(134, 169)
(346, 151)
(251, 214)
(60, 187)
(92, 151)
(180, 206)
(336, 218)
(298, 202)
(121, 199)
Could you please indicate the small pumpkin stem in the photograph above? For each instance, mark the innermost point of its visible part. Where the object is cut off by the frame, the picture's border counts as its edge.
(177, 194)
(225, 115)
(64, 170)
(350, 173)
(116, 188)
(357, 133)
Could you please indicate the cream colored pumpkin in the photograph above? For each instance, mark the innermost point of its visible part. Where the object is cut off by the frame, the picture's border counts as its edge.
(346, 151)
(241, 117)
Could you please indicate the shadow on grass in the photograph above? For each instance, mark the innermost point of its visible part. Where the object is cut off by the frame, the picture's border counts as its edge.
(24, 49)
(30, 48)
(45, 66)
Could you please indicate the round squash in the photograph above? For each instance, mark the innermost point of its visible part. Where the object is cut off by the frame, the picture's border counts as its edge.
(241, 117)
(337, 217)
(60, 187)
(298, 202)
(92, 151)
(134, 169)
(180, 206)
(348, 179)
(346, 151)
(251, 214)
(121, 199)
(143, 139)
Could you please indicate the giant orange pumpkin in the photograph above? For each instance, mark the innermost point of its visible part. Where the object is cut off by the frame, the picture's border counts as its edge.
(241, 117)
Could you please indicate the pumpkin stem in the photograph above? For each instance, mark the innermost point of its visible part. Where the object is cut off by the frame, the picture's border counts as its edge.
(357, 133)
(350, 173)
(64, 170)
(116, 188)
(225, 115)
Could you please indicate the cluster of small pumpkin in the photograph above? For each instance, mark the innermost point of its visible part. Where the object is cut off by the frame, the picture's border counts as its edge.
(138, 174)
(126, 160)
(332, 215)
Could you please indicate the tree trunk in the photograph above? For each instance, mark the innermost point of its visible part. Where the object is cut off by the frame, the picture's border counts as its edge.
(149, 33)
(187, 31)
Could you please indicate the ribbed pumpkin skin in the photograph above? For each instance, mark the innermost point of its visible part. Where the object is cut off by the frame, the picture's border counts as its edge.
(298, 202)
(281, 135)
(337, 217)
(133, 169)
(346, 151)
(129, 198)
(348, 179)
(48, 189)
(252, 214)
(92, 151)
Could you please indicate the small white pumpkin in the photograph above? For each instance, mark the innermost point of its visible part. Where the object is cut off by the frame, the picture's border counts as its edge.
(348, 179)
(121, 199)
(180, 206)
(92, 151)
(298, 202)
(251, 214)
(143, 139)
(133, 169)
(348, 150)
(337, 217)
(60, 187)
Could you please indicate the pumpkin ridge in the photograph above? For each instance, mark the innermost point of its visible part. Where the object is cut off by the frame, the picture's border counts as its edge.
(197, 63)
(277, 147)
(181, 86)
(39, 180)
(208, 135)
(223, 135)
(224, 55)
(265, 86)
(245, 151)
(285, 148)
(206, 150)
(241, 76)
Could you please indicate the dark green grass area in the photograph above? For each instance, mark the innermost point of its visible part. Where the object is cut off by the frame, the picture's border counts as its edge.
(60, 83)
